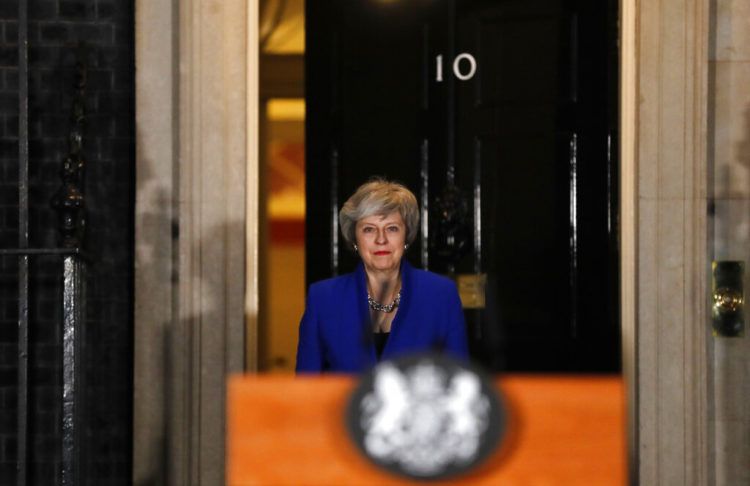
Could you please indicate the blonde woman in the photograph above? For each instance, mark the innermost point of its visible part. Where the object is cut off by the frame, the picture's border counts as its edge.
(385, 308)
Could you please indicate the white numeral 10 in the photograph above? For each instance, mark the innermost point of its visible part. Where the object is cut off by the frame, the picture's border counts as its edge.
(457, 67)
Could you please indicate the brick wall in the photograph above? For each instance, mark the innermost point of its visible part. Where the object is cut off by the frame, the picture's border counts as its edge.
(55, 28)
(8, 238)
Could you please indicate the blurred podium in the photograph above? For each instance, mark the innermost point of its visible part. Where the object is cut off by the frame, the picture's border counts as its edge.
(563, 430)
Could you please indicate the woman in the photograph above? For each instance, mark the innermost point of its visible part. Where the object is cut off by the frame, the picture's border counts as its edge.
(386, 307)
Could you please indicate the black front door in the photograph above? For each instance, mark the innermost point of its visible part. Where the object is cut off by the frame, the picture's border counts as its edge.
(501, 117)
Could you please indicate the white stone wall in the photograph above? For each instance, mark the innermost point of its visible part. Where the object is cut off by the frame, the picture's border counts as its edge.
(668, 379)
(729, 163)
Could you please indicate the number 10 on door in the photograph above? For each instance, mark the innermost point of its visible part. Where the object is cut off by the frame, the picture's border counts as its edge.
(460, 65)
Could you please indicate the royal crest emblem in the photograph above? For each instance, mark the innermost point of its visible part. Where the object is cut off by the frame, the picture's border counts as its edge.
(426, 416)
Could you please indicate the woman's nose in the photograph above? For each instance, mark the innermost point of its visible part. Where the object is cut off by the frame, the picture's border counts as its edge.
(381, 237)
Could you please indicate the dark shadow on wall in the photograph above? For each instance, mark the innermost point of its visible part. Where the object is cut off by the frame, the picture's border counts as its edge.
(176, 355)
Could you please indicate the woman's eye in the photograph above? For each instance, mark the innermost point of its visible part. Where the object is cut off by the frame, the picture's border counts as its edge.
(393, 229)
(367, 229)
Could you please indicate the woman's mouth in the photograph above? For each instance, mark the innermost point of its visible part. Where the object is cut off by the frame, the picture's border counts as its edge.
(379, 253)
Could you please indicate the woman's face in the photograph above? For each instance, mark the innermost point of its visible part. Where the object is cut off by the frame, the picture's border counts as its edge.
(381, 241)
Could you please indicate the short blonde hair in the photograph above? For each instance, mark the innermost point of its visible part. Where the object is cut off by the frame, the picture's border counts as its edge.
(379, 197)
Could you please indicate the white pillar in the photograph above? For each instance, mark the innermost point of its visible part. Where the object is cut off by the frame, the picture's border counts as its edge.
(196, 107)
(665, 239)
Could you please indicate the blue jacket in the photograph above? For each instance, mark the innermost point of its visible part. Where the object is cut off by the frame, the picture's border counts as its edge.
(335, 333)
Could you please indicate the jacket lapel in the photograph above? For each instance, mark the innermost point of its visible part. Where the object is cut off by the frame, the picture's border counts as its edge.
(363, 314)
(397, 331)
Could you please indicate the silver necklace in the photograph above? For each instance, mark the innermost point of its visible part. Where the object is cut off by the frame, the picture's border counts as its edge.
(377, 306)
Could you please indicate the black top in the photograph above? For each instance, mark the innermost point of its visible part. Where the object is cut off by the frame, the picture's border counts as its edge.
(380, 339)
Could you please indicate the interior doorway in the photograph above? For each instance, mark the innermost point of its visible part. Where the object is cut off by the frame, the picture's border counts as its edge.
(282, 170)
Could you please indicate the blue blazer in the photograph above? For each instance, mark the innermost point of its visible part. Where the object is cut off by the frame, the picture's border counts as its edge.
(336, 335)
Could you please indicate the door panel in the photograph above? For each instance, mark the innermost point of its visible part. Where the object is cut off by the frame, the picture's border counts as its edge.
(513, 167)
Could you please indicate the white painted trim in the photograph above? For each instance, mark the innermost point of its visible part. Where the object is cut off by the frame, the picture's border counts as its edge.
(253, 188)
(628, 218)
